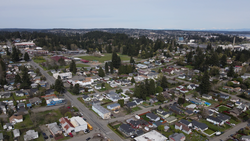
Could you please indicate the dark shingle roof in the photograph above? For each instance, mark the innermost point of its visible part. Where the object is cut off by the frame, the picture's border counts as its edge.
(199, 125)
(183, 121)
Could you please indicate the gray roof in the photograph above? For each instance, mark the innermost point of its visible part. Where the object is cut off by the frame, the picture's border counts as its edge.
(16, 132)
(126, 128)
(245, 137)
(183, 121)
(131, 104)
(54, 128)
(1, 136)
(223, 117)
(85, 96)
(157, 123)
(177, 136)
(114, 105)
(100, 108)
(214, 119)
(152, 116)
(199, 124)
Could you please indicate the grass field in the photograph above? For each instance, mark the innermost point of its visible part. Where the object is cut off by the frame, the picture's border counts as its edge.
(82, 65)
(27, 123)
(209, 131)
(223, 108)
(39, 59)
(136, 109)
(106, 57)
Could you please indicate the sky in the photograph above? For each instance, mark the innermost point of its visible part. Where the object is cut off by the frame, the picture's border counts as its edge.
(142, 14)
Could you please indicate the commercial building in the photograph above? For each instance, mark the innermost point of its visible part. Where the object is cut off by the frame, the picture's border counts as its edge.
(102, 112)
(79, 123)
(151, 136)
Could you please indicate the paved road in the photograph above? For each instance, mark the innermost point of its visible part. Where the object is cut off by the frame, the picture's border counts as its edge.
(226, 135)
(93, 120)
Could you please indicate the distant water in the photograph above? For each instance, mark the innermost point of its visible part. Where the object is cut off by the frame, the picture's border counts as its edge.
(245, 35)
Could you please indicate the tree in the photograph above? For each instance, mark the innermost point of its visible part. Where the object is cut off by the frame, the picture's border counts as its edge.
(15, 54)
(59, 87)
(181, 100)
(121, 102)
(116, 60)
(164, 82)
(133, 80)
(231, 72)
(111, 68)
(76, 89)
(204, 113)
(43, 102)
(160, 97)
(25, 79)
(106, 68)
(159, 89)
(101, 72)
(205, 85)
(26, 56)
(151, 87)
(160, 128)
(159, 70)
(72, 67)
(61, 61)
(132, 60)
(223, 60)
(68, 114)
(17, 79)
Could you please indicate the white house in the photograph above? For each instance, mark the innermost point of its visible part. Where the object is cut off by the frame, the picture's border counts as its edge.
(79, 123)
(152, 117)
(191, 86)
(86, 98)
(215, 120)
(86, 81)
(30, 135)
(16, 119)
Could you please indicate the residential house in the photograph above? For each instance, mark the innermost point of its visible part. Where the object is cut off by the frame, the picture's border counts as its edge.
(234, 99)
(30, 135)
(182, 76)
(19, 93)
(152, 75)
(35, 101)
(49, 96)
(235, 82)
(245, 138)
(183, 90)
(206, 96)
(171, 119)
(175, 109)
(199, 126)
(163, 114)
(33, 91)
(43, 83)
(152, 117)
(3, 107)
(54, 129)
(5, 95)
(8, 126)
(235, 112)
(185, 122)
(138, 101)
(131, 104)
(16, 119)
(214, 120)
(16, 133)
(153, 100)
(135, 123)
(177, 137)
(183, 128)
(66, 125)
(101, 111)
(222, 96)
(223, 117)
(86, 98)
(113, 96)
(114, 106)
(127, 130)
(191, 86)
(168, 71)
(195, 101)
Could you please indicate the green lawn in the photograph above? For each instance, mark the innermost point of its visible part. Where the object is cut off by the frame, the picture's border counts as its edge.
(106, 57)
(186, 104)
(209, 101)
(39, 59)
(27, 123)
(136, 109)
(82, 65)
(82, 101)
(215, 127)
(189, 66)
(209, 131)
(157, 103)
(223, 108)
(107, 87)
(145, 118)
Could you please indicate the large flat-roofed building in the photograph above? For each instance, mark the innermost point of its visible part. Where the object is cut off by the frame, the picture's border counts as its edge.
(24, 44)
(102, 112)
(151, 136)
(79, 123)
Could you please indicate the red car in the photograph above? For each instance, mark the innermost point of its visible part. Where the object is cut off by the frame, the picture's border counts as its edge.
(70, 134)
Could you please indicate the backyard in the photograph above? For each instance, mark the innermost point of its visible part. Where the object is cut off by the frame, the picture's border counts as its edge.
(223, 108)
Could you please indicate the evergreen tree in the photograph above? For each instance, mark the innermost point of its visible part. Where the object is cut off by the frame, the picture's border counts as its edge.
(26, 56)
(101, 72)
(59, 87)
(15, 55)
(111, 68)
(215, 59)
(189, 57)
(209, 46)
(152, 87)
(132, 60)
(72, 67)
(61, 61)
(116, 60)
(205, 85)
(231, 72)
(121, 102)
(164, 82)
(17, 79)
(8, 52)
(25, 79)
(106, 68)
(160, 97)
(223, 60)
(133, 80)
(76, 89)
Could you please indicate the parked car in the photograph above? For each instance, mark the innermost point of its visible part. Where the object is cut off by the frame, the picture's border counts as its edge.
(70, 134)
(88, 138)
(45, 136)
(51, 136)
